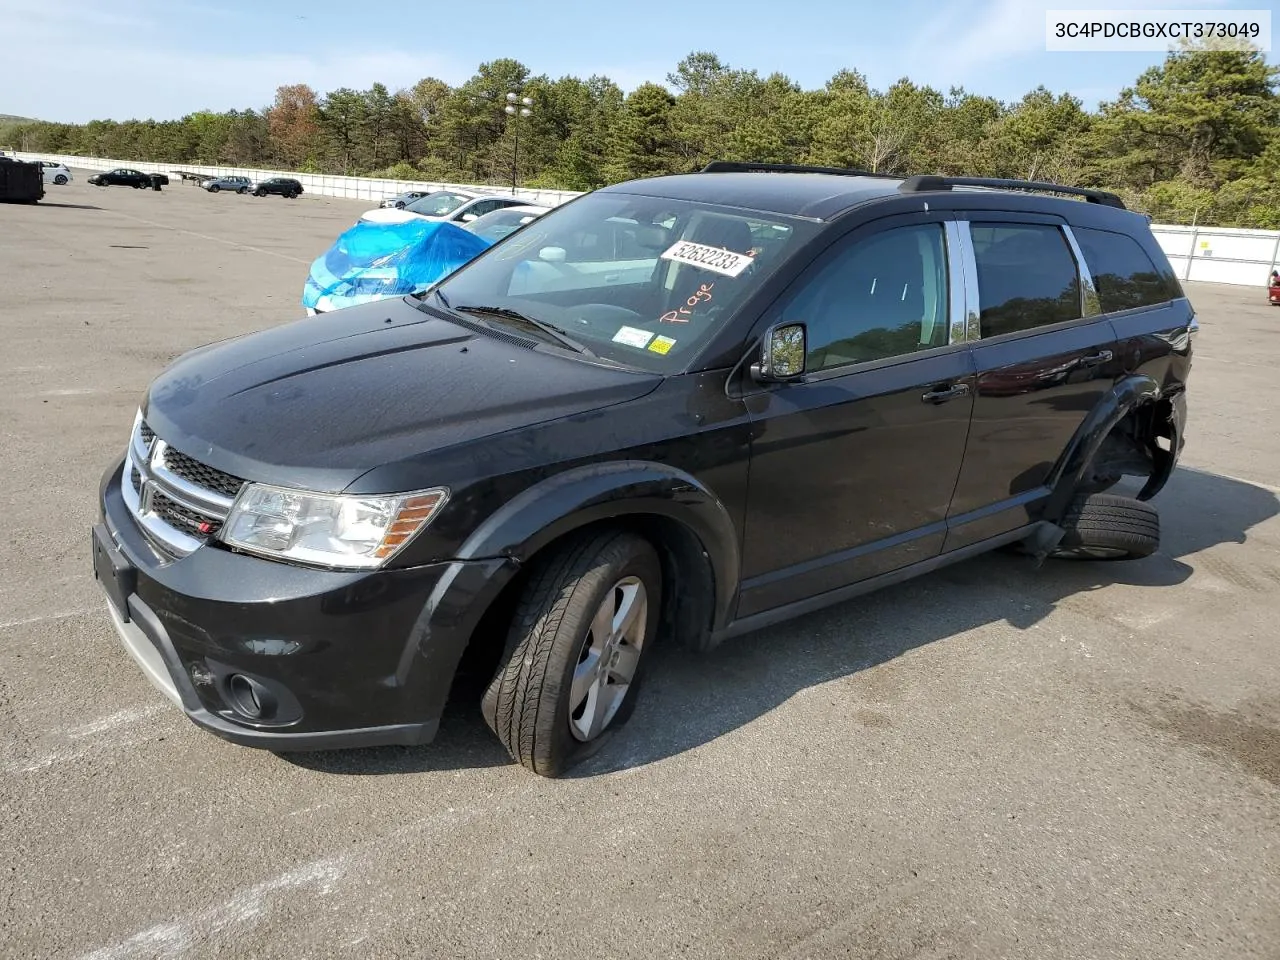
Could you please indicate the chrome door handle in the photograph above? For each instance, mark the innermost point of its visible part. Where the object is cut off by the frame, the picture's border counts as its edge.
(1093, 359)
(945, 394)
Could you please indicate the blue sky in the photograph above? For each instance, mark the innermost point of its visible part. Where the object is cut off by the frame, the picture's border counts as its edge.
(74, 60)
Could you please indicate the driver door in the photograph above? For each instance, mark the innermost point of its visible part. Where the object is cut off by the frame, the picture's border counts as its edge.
(853, 466)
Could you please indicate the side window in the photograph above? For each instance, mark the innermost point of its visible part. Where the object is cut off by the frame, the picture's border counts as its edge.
(882, 296)
(1027, 277)
(1123, 273)
(481, 208)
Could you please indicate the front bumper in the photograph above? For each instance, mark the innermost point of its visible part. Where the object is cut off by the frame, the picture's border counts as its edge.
(336, 658)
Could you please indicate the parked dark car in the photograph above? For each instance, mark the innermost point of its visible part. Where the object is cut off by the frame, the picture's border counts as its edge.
(125, 177)
(679, 408)
(281, 186)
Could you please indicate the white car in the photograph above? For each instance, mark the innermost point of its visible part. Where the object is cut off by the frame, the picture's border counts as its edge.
(460, 206)
(55, 172)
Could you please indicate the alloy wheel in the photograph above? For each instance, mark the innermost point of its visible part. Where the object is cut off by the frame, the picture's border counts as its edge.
(608, 658)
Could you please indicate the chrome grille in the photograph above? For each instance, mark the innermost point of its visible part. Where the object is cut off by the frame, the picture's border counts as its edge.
(177, 501)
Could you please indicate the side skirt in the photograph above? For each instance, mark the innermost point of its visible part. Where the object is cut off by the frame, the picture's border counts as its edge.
(768, 618)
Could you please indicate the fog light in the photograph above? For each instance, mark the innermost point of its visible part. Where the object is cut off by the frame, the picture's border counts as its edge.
(249, 697)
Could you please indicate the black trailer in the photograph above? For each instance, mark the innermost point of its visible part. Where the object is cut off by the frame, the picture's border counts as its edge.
(21, 182)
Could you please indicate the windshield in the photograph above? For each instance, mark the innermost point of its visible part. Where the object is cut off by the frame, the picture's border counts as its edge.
(642, 280)
(439, 204)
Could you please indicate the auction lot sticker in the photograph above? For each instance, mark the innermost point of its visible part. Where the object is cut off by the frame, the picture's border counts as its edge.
(633, 337)
(716, 259)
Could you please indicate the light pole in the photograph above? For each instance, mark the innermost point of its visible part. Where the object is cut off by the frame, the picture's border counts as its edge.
(517, 107)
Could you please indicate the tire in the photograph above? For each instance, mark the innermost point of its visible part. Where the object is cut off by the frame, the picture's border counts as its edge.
(259, 193)
(546, 721)
(1103, 526)
(60, 179)
(214, 189)
(242, 191)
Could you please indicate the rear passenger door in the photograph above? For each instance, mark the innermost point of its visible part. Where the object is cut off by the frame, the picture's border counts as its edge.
(1045, 356)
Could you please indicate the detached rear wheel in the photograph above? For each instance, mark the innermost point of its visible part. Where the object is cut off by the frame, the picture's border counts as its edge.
(572, 665)
(1103, 526)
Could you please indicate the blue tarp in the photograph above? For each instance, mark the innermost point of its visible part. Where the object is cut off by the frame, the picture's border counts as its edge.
(375, 260)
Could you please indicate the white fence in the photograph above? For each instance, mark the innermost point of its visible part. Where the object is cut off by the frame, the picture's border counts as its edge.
(1211, 254)
(1220, 254)
(315, 184)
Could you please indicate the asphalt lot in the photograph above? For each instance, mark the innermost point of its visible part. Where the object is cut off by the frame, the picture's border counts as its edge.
(992, 761)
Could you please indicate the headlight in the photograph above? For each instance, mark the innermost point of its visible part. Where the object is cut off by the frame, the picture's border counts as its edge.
(353, 532)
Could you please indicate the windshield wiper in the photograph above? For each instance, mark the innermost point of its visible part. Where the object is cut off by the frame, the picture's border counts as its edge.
(551, 330)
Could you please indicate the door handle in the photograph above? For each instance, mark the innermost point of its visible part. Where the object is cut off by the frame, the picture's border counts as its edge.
(946, 393)
(1093, 359)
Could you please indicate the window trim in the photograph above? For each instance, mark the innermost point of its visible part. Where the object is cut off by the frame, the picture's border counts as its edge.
(1090, 302)
(971, 320)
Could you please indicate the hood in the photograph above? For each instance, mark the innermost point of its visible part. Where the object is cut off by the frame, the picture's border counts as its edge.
(392, 215)
(318, 402)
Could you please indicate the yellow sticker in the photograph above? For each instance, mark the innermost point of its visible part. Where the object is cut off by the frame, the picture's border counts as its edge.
(662, 344)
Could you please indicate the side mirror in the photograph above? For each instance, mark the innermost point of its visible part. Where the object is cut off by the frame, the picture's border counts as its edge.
(468, 217)
(783, 354)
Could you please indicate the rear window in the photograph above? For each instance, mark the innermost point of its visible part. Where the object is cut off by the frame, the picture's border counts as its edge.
(1122, 272)
(1027, 277)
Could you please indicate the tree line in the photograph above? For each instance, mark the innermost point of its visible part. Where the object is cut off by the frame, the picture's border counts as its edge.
(1195, 139)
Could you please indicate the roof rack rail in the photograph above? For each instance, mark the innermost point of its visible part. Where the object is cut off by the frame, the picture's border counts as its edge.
(735, 166)
(927, 183)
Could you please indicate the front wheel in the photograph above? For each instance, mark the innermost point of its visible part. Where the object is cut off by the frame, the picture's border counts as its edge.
(214, 189)
(571, 669)
(60, 179)
(243, 190)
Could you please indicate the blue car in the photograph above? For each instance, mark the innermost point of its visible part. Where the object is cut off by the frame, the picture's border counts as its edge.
(370, 261)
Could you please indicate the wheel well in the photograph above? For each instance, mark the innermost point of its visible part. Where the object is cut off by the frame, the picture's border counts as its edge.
(686, 575)
(1138, 445)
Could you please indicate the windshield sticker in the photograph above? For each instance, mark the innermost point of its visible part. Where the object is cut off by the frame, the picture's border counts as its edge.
(662, 344)
(633, 337)
(716, 259)
(701, 295)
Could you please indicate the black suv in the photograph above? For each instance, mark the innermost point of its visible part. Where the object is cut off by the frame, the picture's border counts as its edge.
(281, 186)
(676, 408)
